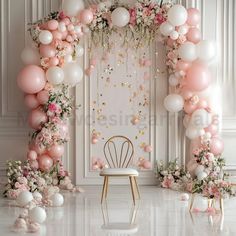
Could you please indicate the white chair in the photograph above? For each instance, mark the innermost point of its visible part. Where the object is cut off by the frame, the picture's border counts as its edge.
(119, 161)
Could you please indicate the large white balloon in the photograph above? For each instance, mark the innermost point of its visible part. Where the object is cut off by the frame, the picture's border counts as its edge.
(38, 214)
(177, 15)
(24, 198)
(166, 28)
(188, 52)
(45, 37)
(30, 56)
(55, 75)
(206, 50)
(72, 7)
(174, 103)
(201, 119)
(57, 200)
(73, 73)
(120, 17)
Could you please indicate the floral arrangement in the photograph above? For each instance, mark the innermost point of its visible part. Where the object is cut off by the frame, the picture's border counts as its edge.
(173, 176)
(23, 177)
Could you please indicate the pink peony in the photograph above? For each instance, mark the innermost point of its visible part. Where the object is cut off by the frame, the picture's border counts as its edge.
(167, 182)
(159, 19)
(52, 107)
(132, 13)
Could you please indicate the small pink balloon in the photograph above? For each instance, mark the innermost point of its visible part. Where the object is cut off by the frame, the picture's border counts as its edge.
(34, 164)
(45, 162)
(54, 61)
(183, 65)
(213, 129)
(69, 39)
(194, 17)
(194, 35)
(66, 21)
(148, 148)
(47, 50)
(36, 118)
(31, 79)
(202, 104)
(43, 97)
(147, 164)
(68, 48)
(52, 24)
(216, 146)
(198, 77)
(32, 155)
(86, 16)
(94, 140)
(189, 108)
(56, 151)
(64, 34)
(186, 94)
(57, 35)
(31, 101)
(39, 149)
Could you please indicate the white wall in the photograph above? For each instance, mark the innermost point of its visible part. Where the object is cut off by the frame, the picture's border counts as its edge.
(218, 23)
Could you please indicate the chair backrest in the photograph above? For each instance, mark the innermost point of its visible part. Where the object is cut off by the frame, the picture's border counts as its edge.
(118, 151)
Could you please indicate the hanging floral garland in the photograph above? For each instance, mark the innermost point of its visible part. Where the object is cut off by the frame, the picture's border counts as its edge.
(52, 68)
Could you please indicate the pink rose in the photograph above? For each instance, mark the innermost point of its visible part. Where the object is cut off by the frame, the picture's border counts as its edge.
(52, 107)
(159, 19)
(167, 182)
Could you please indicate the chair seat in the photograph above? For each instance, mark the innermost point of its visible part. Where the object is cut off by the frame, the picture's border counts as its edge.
(119, 172)
(120, 228)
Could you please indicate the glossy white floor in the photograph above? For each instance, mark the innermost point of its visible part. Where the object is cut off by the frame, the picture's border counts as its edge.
(160, 212)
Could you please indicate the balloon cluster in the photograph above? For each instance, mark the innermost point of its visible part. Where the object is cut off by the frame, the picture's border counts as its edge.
(52, 65)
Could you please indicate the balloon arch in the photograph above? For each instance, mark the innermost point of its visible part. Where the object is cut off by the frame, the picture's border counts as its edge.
(51, 69)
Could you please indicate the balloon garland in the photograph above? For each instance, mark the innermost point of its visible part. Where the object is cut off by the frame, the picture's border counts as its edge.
(52, 68)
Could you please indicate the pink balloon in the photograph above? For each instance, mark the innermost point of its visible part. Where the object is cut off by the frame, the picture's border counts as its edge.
(31, 101)
(45, 162)
(68, 48)
(57, 35)
(213, 129)
(202, 104)
(186, 94)
(194, 17)
(64, 34)
(194, 35)
(31, 79)
(36, 118)
(54, 61)
(147, 164)
(198, 77)
(43, 97)
(216, 146)
(47, 50)
(39, 149)
(189, 108)
(56, 151)
(183, 65)
(86, 16)
(66, 21)
(52, 24)
(32, 155)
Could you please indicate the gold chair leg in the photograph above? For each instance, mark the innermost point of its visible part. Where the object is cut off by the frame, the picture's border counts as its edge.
(222, 205)
(137, 188)
(191, 203)
(104, 188)
(132, 188)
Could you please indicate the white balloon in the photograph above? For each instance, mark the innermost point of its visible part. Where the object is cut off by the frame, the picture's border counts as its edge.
(174, 103)
(188, 52)
(192, 132)
(166, 28)
(120, 17)
(73, 73)
(30, 56)
(72, 7)
(62, 27)
(206, 50)
(177, 15)
(79, 51)
(201, 119)
(57, 200)
(38, 214)
(24, 198)
(183, 29)
(45, 37)
(201, 175)
(199, 169)
(78, 29)
(173, 81)
(37, 195)
(184, 197)
(174, 35)
(55, 75)
(68, 58)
